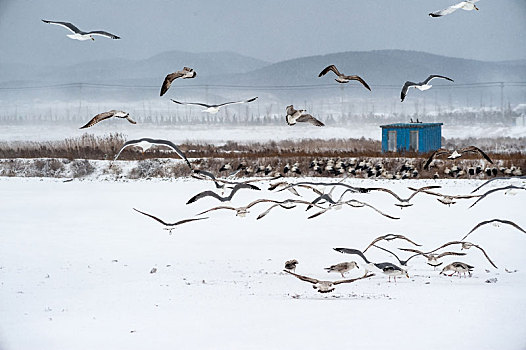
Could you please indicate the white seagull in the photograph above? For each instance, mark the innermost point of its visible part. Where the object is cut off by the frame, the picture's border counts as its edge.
(464, 5)
(79, 34)
(422, 86)
(107, 115)
(326, 286)
(170, 226)
(294, 116)
(213, 109)
(146, 143)
(186, 73)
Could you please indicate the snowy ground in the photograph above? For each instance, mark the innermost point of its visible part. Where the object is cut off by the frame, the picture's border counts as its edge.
(220, 134)
(75, 264)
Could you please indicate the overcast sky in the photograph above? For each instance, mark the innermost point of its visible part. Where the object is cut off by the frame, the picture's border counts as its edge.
(270, 30)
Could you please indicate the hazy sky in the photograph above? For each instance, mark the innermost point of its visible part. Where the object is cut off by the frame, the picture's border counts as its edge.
(271, 30)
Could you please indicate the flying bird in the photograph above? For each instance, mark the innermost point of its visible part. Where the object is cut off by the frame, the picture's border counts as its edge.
(228, 198)
(352, 203)
(422, 86)
(464, 5)
(186, 73)
(342, 78)
(326, 286)
(456, 154)
(390, 237)
(498, 178)
(507, 188)
(146, 143)
(432, 258)
(213, 109)
(170, 226)
(243, 211)
(464, 245)
(298, 116)
(507, 222)
(79, 34)
(106, 115)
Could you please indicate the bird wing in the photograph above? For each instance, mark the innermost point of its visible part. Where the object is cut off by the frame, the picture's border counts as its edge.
(126, 144)
(168, 81)
(493, 220)
(357, 78)
(437, 153)
(303, 278)
(263, 214)
(168, 224)
(352, 251)
(387, 191)
(367, 275)
(237, 102)
(319, 213)
(131, 120)
(485, 254)
(103, 33)
(412, 250)
(66, 25)
(239, 186)
(171, 145)
(476, 149)
(370, 206)
(447, 11)
(449, 253)
(205, 194)
(495, 190)
(216, 208)
(99, 117)
(332, 67)
(435, 76)
(390, 252)
(422, 189)
(406, 87)
(192, 103)
(309, 119)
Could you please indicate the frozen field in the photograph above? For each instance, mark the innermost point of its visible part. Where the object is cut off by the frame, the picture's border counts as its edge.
(220, 134)
(75, 264)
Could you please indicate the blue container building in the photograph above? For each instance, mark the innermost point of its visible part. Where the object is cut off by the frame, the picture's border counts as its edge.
(411, 137)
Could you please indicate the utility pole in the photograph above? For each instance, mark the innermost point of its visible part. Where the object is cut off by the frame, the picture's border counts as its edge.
(341, 89)
(502, 99)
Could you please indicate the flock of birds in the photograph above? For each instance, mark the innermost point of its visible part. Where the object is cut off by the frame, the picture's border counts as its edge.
(324, 199)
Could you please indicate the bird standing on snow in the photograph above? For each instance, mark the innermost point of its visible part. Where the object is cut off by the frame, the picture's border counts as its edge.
(464, 5)
(107, 115)
(342, 78)
(342, 267)
(186, 73)
(422, 86)
(457, 267)
(291, 264)
(294, 116)
(79, 34)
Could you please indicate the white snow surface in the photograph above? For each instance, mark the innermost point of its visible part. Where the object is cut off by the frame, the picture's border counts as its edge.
(75, 264)
(217, 134)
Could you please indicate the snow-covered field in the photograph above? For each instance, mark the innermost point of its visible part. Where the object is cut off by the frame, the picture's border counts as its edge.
(220, 134)
(75, 264)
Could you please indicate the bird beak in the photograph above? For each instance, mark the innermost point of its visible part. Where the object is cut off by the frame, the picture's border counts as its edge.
(92, 38)
(476, 8)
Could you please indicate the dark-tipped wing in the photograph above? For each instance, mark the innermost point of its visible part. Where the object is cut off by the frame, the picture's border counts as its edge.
(497, 178)
(192, 103)
(168, 224)
(352, 251)
(437, 153)
(216, 208)
(168, 81)
(510, 187)
(103, 33)
(449, 253)
(406, 87)
(446, 11)
(508, 222)
(171, 145)
(357, 78)
(327, 69)
(367, 275)
(303, 278)
(237, 102)
(475, 150)
(205, 194)
(66, 25)
(433, 76)
(309, 119)
(98, 118)
(126, 144)
(354, 201)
